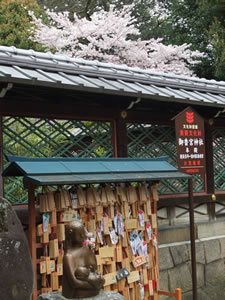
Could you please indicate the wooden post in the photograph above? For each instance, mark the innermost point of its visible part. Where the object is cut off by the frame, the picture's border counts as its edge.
(209, 159)
(32, 235)
(209, 182)
(178, 294)
(171, 214)
(115, 146)
(192, 234)
(211, 210)
(122, 139)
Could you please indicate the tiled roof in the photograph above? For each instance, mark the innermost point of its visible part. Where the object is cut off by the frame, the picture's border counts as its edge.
(58, 71)
(90, 170)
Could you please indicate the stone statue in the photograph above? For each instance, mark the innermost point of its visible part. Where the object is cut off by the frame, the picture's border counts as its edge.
(80, 276)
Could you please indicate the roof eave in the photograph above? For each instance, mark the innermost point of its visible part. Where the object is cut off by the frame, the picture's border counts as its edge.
(98, 90)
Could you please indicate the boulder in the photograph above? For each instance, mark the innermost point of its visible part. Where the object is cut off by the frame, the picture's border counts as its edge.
(16, 276)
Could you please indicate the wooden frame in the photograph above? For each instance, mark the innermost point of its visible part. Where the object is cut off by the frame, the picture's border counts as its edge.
(34, 245)
(32, 234)
(177, 294)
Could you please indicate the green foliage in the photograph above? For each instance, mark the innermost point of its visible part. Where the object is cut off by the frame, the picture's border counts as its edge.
(83, 8)
(15, 23)
(217, 38)
(202, 24)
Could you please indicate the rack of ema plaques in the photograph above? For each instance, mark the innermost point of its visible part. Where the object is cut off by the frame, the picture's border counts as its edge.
(116, 200)
(122, 225)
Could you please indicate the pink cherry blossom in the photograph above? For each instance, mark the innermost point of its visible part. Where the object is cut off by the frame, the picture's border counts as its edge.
(107, 37)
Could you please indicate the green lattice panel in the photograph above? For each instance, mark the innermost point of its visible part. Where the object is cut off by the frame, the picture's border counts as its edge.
(33, 137)
(219, 159)
(146, 140)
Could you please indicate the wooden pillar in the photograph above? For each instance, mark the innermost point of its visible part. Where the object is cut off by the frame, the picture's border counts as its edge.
(209, 182)
(209, 159)
(171, 210)
(1, 159)
(32, 235)
(122, 140)
(178, 294)
(114, 139)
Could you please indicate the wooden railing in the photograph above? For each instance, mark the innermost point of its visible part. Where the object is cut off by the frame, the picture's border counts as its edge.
(177, 294)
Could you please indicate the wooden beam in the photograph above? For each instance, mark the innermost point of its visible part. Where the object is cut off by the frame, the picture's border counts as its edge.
(219, 123)
(167, 293)
(177, 295)
(55, 111)
(176, 199)
(150, 117)
(73, 110)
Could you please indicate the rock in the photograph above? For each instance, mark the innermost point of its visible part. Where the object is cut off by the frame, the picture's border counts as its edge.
(164, 281)
(101, 296)
(222, 246)
(173, 235)
(200, 253)
(180, 277)
(212, 250)
(209, 292)
(200, 275)
(16, 276)
(165, 259)
(215, 272)
(210, 229)
(188, 296)
(180, 254)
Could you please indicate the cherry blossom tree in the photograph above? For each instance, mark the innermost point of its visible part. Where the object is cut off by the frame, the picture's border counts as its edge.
(111, 36)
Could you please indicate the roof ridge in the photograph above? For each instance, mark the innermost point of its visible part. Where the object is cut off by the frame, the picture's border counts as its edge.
(96, 65)
(47, 69)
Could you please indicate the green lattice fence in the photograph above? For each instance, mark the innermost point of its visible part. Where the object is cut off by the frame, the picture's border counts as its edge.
(146, 140)
(219, 159)
(33, 137)
(36, 137)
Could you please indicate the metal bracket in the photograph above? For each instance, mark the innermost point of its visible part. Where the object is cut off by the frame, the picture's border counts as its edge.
(5, 90)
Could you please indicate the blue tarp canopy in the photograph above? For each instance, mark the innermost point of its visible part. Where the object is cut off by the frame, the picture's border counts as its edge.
(47, 171)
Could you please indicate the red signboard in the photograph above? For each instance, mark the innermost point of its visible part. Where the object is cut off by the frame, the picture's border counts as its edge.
(190, 140)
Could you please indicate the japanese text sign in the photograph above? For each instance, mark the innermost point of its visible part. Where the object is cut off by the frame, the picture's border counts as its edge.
(190, 141)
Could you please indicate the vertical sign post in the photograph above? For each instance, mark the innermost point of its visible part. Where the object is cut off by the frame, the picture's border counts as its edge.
(190, 140)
